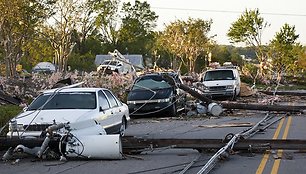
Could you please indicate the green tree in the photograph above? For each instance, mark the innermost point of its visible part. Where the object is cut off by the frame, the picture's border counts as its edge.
(19, 21)
(284, 50)
(107, 21)
(62, 28)
(38, 50)
(221, 54)
(188, 40)
(136, 31)
(248, 29)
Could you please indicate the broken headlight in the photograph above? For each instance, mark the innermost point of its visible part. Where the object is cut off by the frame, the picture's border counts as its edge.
(14, 127)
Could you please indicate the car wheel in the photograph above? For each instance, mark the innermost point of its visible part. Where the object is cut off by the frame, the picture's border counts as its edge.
(122, 127)
(173, 110)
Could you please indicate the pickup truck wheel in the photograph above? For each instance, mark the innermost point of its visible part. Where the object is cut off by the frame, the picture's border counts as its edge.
(122, 127)
(234, 95)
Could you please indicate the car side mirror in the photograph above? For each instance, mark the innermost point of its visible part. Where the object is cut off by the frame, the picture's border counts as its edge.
(100, 109)
(25, 108)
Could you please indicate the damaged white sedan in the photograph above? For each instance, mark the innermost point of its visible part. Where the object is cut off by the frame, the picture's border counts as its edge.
(71, 105)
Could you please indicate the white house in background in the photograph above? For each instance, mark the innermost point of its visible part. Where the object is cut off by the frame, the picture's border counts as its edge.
(134, 59)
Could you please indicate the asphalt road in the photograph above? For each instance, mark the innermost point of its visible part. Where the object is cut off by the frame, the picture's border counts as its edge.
(167, 160)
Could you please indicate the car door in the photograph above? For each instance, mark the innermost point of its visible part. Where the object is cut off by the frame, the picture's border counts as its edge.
(106, 113)
(117, 113)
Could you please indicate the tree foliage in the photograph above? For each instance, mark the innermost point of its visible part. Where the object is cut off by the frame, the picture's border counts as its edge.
(248, 29)
(136, 31)
(19, 20)
(284, 50)
(61, 29)
(107, 20)
(187, 40)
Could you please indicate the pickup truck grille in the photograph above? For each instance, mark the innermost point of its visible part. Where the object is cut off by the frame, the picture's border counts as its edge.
(217, 88)
(37, 127)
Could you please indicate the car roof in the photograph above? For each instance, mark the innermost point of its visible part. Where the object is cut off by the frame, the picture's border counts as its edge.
(74, 90)
(171, 73)
(222, 69)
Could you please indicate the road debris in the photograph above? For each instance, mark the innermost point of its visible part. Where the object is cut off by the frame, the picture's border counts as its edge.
(69, 141)
(248, 124)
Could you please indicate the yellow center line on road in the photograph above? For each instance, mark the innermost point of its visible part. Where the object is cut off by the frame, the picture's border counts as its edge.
(265, 158)
(280, 152)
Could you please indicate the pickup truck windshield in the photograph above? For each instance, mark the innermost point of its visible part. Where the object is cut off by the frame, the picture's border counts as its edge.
(219, 75)
(67, 100)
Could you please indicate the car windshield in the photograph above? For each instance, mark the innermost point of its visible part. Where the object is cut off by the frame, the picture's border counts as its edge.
(219, 75)
(110, 62)
(153, 82)
(67, 100)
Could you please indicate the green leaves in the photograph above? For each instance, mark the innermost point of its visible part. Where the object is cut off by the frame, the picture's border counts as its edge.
(284, 49)
(248, 28)
(187, 40)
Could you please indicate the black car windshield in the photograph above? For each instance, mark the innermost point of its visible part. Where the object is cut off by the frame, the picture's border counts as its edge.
(67, 100)
(219, 75)
(155, 82)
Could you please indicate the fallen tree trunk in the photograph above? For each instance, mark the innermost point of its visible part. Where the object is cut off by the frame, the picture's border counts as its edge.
(293, 93)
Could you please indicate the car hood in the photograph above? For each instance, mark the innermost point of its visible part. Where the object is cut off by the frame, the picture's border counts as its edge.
(48, 116)
(147, 94)
(219, 83)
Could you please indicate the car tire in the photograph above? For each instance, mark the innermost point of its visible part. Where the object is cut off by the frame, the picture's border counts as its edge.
(123, 127)
(234, 98)
(173, 110)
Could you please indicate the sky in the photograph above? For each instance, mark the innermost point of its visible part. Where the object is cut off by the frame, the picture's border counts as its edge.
(224, 12)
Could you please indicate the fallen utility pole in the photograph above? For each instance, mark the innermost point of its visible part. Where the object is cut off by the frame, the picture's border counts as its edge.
(293, 93)
(248, 106)
(134, 144)
(137, 144)
(6, 142)
(194, 93)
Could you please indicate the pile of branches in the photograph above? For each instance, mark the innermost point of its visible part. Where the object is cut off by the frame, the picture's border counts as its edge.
(26, 89)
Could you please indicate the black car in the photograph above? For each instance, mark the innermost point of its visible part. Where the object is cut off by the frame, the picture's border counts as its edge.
(156, 94)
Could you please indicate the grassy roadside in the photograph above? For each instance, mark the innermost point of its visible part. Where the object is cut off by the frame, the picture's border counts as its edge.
(7, 112)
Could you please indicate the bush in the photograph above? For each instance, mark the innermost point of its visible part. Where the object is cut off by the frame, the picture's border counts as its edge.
(7, 112)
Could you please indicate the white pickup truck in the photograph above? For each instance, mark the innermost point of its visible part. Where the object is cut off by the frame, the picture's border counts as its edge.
(109, 66)
(222, 82)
